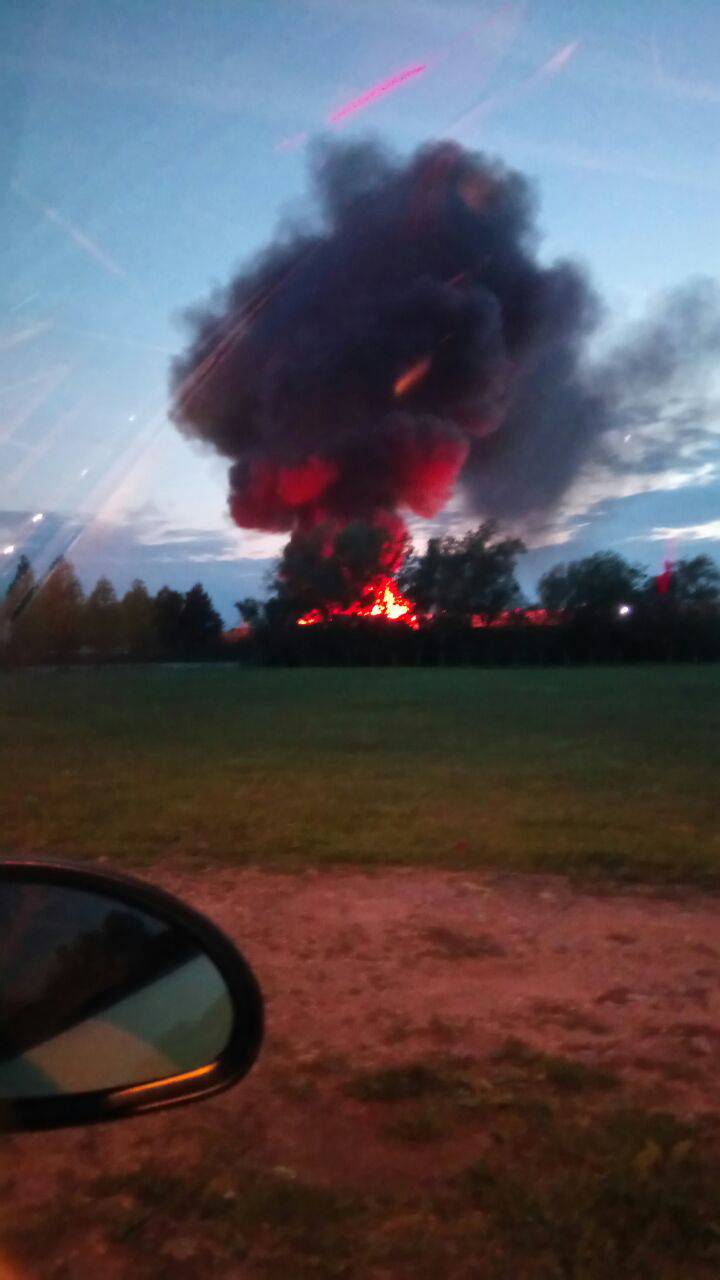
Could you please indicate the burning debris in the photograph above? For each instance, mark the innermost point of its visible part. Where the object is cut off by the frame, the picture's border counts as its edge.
(382, 598)
(411, 342)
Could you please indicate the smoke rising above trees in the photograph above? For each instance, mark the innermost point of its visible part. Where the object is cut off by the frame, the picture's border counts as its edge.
(408, 342)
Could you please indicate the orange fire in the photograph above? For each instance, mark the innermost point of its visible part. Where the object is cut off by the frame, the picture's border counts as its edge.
(381, 599)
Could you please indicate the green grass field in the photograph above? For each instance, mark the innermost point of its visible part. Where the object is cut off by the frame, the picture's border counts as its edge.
(593, 771)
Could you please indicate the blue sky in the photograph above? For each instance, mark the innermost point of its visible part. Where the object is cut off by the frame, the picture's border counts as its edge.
(152, 145)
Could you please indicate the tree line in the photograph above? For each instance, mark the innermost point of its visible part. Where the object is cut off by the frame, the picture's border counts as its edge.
(54, 621)
(464, 589)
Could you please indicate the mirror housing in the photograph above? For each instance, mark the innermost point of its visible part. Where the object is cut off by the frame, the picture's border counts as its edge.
(180, 941)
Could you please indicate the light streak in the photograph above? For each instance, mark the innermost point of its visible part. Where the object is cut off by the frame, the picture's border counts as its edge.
(74, 233)
(412, 376)
(508, 97)
(378, 91)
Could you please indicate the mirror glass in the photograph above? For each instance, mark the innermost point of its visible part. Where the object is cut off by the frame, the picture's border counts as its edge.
(95, 994)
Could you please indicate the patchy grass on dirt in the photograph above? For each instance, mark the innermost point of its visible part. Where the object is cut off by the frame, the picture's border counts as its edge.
(561, 1188)
(419, 1110)
(606, 771)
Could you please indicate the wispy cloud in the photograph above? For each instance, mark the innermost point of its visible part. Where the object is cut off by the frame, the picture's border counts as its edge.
(681, 86)
(24, 333)
(228, 543)
(709, 531)
(598, 485)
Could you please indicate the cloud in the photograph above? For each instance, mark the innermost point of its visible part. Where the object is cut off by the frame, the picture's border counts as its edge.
(25, 333)
(708, 531)
(680, 86)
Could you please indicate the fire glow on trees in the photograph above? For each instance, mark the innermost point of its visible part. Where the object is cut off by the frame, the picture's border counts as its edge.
(381, 599)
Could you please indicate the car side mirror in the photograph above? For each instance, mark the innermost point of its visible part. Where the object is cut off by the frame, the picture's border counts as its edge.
(115, 998)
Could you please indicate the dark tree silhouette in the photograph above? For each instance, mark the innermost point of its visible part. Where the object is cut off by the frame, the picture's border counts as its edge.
(459, 577)
(102, 619)
(327, 568)
(695, 581)
(419, 575)
(15, 628)
(201, 625)
(21, 587)
(168, 618)
(138, 621)
(251, 611)
(599, 583)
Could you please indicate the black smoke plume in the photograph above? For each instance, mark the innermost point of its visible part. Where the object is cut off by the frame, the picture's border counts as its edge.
(409, 341)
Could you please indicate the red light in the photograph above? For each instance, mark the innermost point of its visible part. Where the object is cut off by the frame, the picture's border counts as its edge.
(664, 579)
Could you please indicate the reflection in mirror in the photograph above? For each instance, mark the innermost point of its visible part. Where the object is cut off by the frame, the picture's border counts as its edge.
(98, 995)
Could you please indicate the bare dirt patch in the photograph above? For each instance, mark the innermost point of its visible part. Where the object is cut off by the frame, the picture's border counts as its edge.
(364, 974)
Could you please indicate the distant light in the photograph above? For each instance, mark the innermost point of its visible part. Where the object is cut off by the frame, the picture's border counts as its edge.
(39, 515)
(628, 437)
(131, 417)
(84, 472)
(8, 550)
(624, 610)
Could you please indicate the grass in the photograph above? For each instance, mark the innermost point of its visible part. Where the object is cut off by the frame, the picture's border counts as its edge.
(552, 1183)
(605, 771)
(563, 1073)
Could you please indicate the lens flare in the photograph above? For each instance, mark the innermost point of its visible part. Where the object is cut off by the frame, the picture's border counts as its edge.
(411, 377)
(378, 91)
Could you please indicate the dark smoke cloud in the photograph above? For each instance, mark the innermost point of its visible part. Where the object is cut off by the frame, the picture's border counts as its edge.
(411, 340)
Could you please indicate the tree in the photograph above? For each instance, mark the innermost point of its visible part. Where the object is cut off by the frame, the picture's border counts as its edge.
(138, 620)
(598, 583)
(21, 587)
(419, 577)
(250, 610)
(695, 581)
(102, 618)
(201, 624)
(187, 625)
(168, 619)
(459, 577)
(17, 636)
(327, 568)
(55, 613)
(18, 595)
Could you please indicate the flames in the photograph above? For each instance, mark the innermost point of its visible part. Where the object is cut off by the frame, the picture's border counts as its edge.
(529, 617)
(382, 598)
